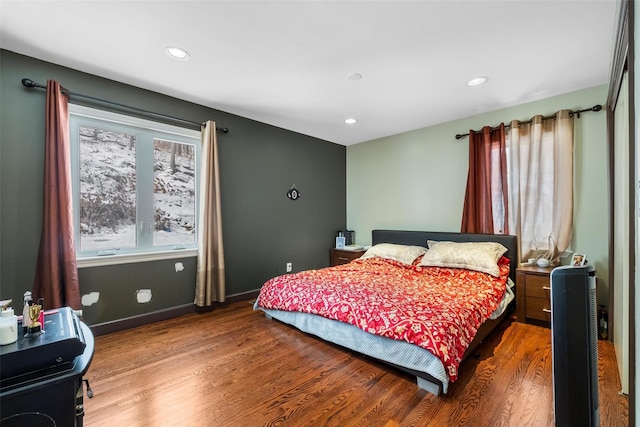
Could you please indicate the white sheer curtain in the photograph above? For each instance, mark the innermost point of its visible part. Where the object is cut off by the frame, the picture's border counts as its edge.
(210, 281)
(540, 165)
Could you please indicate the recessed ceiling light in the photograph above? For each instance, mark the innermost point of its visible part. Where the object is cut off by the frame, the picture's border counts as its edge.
(354, 76)
(177, 53)
(477, 81)
(350, 121)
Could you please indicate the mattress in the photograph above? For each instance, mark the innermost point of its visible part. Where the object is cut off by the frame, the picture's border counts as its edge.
(331, 309)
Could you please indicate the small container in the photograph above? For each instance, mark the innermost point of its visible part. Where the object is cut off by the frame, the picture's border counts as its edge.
(603, 319)
(8, 327)
(26, 322)
(41, 317)
(543, 263)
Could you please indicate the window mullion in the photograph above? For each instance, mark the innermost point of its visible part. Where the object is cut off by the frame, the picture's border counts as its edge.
(145, 191)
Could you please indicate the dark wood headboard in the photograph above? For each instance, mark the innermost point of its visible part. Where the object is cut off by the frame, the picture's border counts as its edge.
(419, 238)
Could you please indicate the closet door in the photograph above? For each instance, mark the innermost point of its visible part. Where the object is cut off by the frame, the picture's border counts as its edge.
(621, 233)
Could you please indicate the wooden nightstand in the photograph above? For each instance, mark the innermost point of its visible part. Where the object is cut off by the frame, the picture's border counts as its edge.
(343, 256)
(533, 295)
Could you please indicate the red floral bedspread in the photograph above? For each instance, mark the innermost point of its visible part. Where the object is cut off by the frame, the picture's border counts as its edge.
(439, 309)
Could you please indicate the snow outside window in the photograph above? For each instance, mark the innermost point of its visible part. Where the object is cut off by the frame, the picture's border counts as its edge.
(134, 185)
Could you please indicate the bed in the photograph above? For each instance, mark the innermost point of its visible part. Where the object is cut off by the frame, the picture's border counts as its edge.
(346, 304)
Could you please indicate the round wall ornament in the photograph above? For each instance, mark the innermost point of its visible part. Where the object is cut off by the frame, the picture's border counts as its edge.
(294, 193)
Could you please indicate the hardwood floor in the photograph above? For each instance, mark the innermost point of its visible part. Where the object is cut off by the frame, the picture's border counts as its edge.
(234, 367)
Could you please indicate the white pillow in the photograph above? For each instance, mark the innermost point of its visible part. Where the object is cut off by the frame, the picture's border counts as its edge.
(478, 256)
(403, 253)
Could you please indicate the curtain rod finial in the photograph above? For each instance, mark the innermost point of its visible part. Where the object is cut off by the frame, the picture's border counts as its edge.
(28, 83)
(597, 107)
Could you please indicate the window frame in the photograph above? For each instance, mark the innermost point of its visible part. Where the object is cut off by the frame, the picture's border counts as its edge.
(158, 130)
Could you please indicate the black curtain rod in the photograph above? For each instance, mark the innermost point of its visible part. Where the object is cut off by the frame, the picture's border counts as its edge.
(571, 113)
(31, 84)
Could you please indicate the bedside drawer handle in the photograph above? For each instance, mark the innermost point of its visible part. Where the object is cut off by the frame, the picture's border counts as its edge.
(546, 288)
(546, 310)
(341, 258)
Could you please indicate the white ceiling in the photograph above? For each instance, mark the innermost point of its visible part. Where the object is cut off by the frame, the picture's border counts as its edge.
(286, 62)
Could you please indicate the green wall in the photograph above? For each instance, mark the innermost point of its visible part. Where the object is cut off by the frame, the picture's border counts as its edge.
(262, 228)
(416, 180)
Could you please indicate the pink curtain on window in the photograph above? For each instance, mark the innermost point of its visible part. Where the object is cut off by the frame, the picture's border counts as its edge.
(56, 277)
(486, 199)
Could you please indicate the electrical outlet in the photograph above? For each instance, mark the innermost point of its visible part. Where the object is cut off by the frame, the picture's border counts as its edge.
(289, 267)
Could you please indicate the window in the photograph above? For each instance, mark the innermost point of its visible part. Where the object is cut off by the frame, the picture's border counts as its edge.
(497, 196)
(537, 156)
(540, 169)
(534, 190)
(135, 186)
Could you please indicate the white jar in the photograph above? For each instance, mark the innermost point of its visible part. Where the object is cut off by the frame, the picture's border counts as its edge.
(8, 327)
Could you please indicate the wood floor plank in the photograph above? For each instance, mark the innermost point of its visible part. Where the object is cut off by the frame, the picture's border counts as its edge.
(235, 367)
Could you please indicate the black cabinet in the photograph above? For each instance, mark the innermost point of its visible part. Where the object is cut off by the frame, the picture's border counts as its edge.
(45, 395)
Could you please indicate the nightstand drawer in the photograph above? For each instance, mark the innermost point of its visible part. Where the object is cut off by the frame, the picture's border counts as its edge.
(538, 286)
(539, 309)
(343, 256)
(533, 294)
(339, 258)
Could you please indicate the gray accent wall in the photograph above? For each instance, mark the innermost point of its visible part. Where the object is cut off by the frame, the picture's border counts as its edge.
(262, 228)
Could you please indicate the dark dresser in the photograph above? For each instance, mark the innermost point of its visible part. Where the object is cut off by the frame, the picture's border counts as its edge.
(41, 382)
